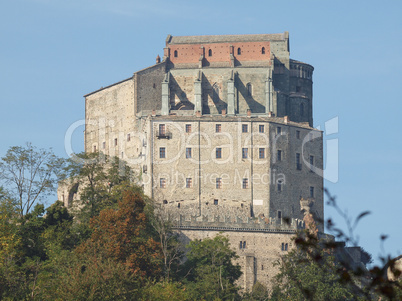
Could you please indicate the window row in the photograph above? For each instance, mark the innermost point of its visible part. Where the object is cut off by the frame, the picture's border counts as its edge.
(189, 183)
(239, 51)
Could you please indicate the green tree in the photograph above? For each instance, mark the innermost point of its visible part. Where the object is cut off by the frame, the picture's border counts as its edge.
(30, 173)
(211, 271)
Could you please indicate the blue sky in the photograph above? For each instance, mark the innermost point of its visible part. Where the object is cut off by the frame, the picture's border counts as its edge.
(53, 52)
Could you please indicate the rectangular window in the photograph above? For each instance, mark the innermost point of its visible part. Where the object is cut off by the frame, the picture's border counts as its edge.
(218, 183)
(279, 155)
(218, 153)
(244, 153)
(244, 128)
(218, 128)
(311, 191)
(115, 142)
(261, 153)
(279, 185)
(188, 152)
(298, 134)
(215, 202)
(162, 152)
(162, 129)
(298, 162)
(128, 137)
(245, 183)
(189, 183)
(188, 128)
(279, 214)
(162, 183)
(261, 128)
(311, 163)
(278, 130)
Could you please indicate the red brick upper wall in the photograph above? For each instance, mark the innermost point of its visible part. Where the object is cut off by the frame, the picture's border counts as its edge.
(191, 53)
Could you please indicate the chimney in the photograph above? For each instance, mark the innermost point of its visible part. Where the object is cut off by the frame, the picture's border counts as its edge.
(223, 112)
(248, 113)
(286, 119)
(158, 59)
(153, 113)
(198, 114)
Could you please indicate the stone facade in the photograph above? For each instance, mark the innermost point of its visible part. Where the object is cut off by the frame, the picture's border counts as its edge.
(220, 128)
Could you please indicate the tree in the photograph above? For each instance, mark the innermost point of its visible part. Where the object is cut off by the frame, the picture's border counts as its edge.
(211, 272)
(30, 173)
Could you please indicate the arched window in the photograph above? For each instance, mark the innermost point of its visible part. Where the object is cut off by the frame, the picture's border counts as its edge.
(249, 90)
(175, 53)
(239, 51)
(210, 52)
(263, 50)
(301, 109)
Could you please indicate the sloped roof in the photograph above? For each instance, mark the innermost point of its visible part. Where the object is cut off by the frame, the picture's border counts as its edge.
(226, 38)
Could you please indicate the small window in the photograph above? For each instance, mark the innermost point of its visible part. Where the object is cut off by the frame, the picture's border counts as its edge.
(164, 202)
(261, 153)
(279, 185)
(239, 51)
(162, 152)
(218, 183)
(215, 202)
(311, 191)
(115, 142)
(249, 89)
(128, 137)
(103, 145)
(261, 128)
(278, 130)
(279, 214)
(188, 153)
(218, 128)
(263, 50)
(244, 128)
(162, 183)
(245, 183)
(286, 247)
(244, 154)
(262, 267)
(242, 244)
(298, 162)
(218, 153)
(189, 183)
(188, 128)
(311, 163)
(175, 53)
(162, 129)
(178, 205)
(298, 134)
(154, 85)
(279, 155)
(94, 148)
(210, 52)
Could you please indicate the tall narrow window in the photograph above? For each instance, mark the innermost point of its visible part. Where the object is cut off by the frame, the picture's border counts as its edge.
(215, 202)
(128, 137)
(210, 52)
(311, 191)
(311, 163)
(162, 183)
(115, 142)
(244, 153)
(218, 183)
(279, 155)
(103, 144)
(263, 50)
(162, 152)
(239, 51)
(175, 53)
(298, 162)
(218, 128)
(94, 148)
(245, 183)
(278, 130)
(298, 134)
(188, 128)
(162, 129)
(279, 214)
(218, 153)
(261, 153)
(279, 185)
(188, 152)
(249, 90)
(189, 183)
(261, 128)
(244, 128)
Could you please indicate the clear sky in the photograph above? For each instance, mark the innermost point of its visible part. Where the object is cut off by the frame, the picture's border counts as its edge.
(52, 52)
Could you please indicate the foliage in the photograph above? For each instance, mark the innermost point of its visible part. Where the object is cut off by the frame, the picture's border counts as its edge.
(30, 173)
(172, 291)
(211, 272)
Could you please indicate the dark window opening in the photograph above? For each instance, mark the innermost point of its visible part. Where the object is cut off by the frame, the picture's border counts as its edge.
(311, 191)
(261, 153)
(218, 128)
(279, 214)
(210, 52)
(244, 128)
(245, 183)
(175, 53)
(162, 152)
(239, 51)
(165, 202)
(298, 162)
(249, 89)
(261, 128)
(188, 128)
(298, 134)
(218, 185)
(215, 202)
(245, 153)
(218, 153)
(263, 50)
(188, 152)
(279, 155)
